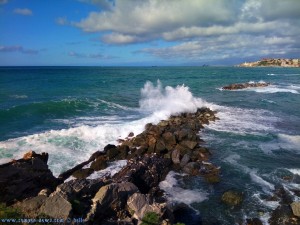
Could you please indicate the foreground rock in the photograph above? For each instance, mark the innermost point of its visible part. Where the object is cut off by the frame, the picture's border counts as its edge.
(26, 177)
(125, 198)
(245, 85)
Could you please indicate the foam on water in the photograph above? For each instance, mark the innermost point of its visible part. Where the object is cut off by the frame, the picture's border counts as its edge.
(68, 147)
(177, 194)
(112, 169)
(283, 142)
(244, 121)
(294, 171)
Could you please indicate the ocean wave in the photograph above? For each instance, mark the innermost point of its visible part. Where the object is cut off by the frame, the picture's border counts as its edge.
(68, 147)
(283, 142)
(18, 96)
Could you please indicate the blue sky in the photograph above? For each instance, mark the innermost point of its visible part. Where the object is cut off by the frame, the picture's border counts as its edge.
(147, 32)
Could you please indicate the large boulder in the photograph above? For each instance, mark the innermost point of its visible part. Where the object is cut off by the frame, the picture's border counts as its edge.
(296, 208)
(110, 200)
(140, 204)
(25, 178)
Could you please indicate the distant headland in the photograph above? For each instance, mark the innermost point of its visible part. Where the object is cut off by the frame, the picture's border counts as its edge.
(269, 62)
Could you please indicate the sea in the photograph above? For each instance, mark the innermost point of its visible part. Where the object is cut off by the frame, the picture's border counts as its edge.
(71, 112)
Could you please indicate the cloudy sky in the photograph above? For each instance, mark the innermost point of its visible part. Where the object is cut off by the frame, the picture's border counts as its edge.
(147, 32)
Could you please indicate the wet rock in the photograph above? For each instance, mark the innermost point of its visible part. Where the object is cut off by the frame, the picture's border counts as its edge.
(131, 134)
(232, 198)
(112, 153)
(296, 208)
(192, 168)
(283, 215)
(245, 85)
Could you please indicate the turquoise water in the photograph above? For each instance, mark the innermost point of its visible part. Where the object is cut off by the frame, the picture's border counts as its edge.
(71, 112)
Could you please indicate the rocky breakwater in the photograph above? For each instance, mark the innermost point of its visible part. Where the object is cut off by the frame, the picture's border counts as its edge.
(125, 198)
(245, 85)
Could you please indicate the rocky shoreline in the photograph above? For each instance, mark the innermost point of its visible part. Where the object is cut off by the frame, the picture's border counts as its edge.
(131, 196)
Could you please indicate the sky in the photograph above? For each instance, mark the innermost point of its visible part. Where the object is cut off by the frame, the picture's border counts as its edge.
(147, 32)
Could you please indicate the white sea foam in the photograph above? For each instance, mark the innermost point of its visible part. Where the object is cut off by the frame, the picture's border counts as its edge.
(244, 121)
(259, 180)
(283, 142)
(178, 194)
(270, 204)
(111, 170)
(68, 147)
(295, 171)
(272, 89)
(18, 96)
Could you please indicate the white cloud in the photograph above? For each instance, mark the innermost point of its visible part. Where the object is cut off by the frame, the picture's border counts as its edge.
(24, 11)
(90, 55)
(200, 28)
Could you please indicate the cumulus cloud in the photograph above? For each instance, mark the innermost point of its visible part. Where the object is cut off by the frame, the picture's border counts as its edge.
(18, 48)
(23, 12)
(198, 26)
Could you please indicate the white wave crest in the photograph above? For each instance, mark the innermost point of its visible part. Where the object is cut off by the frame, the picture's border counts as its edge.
(68, 147)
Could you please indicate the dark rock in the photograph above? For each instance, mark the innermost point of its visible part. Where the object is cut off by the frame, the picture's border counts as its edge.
(22, 178)
(232, 198)
(245, 85)
(100, 163)
(131, 134)
(107, 147)
(185, 159)
(160, 146)
(190, 144)
(283, 215)
(31, 206)
(83, 173)
(112, 153)
(192, 168)
(254, 221)
(169, 138)
(145, 172)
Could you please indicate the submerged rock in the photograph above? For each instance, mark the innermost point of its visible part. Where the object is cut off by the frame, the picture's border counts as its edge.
(232, 198)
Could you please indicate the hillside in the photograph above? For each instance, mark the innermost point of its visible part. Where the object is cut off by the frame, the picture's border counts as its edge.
(272, 63)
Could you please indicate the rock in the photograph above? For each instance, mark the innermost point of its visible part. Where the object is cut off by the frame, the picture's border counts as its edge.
(131, 134)
(31, 206)
(83, 173)
(192, 168)
(163, 123)
(29, 155)
(140, 204)
(110, 199)
(175, 156)
(25, 178)
(45, 192)
(185, 159)
(182, 134)
(254, 221)
(190, 144)
(145, 172)
(283, 215)
(232, 198)
(112, 153)
(57, 205)
(296, 208)
(169, 138)
(245, 85)
(107, 147)
(100, 163)
(160, 146)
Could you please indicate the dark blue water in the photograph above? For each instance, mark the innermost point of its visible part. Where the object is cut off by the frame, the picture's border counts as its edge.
(71, 112)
